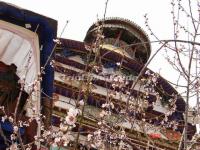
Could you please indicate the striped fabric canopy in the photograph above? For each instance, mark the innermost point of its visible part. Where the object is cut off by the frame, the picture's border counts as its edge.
(20, 46)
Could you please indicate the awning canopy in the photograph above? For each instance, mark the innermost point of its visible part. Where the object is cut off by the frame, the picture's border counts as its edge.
(20, 46)
(46, 30)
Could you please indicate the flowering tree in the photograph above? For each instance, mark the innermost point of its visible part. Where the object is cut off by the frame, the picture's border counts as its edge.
(182, 53)
(110, 122)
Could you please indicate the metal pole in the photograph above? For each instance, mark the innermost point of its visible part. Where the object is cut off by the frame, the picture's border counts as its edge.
(38, 103)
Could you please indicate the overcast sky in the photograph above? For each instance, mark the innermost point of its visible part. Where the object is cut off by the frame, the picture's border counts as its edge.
(83, 13)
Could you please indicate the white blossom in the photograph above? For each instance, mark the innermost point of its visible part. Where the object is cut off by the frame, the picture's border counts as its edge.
(15, 128)
(13, 147)
(57, 41)
(57, 139)
(10, 119)
(102, 114)
(81, 102)
(71, 116)
(3, 118)
(118, 63)
(89, 137)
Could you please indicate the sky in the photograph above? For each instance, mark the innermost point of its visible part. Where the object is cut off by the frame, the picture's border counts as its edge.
(81, 14)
